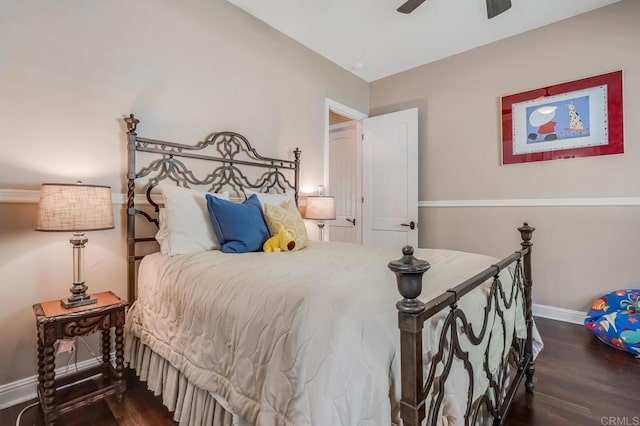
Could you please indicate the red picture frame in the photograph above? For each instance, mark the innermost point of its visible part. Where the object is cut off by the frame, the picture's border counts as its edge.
(579, 118)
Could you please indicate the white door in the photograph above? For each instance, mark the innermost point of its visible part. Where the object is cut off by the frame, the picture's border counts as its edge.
(390, 179)
(345, 181)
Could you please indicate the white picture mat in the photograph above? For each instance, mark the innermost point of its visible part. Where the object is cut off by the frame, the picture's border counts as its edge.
(599, 132)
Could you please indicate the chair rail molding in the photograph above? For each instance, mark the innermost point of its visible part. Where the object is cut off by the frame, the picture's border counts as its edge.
(535, 202)
(32, 196)
(19, 196)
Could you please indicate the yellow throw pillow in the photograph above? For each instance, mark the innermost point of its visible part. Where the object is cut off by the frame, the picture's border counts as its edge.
(287, 215)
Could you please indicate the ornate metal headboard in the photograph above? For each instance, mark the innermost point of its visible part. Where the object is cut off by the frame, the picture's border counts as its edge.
(168, 160)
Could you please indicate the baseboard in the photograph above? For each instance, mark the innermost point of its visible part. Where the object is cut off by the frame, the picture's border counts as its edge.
(25, 389)
(559, 314)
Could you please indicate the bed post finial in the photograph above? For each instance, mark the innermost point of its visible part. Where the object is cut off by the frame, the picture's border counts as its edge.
(526, 232)
(409, 271)
(132, 123)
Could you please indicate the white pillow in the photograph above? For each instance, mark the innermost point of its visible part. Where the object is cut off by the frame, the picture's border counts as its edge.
(162, 236)
(269, 198)
(188, 226)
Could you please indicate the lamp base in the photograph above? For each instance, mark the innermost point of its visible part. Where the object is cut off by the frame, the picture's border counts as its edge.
(73, 302)
(321, 226)
(79, 296)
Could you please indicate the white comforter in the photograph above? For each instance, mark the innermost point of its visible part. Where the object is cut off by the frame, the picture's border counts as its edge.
(300, 338)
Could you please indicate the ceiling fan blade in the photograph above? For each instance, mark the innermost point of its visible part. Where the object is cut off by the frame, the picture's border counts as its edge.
(496, 7)
(409, 6)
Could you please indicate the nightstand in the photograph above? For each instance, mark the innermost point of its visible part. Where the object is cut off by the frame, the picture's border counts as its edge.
(53, 322)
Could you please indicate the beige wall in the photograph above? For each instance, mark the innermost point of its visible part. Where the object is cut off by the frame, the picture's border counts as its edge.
(580, 252)
(335, 118)
(70, 70)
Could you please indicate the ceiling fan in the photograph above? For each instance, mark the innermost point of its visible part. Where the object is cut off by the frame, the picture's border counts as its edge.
(494, 7)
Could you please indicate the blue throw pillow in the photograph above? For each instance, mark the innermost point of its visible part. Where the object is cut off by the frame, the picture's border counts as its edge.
(239, 227)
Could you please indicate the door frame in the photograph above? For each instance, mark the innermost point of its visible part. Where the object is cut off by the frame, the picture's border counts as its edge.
(347, 111)
(353, 114)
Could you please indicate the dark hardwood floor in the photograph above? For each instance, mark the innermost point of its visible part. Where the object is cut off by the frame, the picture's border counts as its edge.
(579, 381)
(139, 407)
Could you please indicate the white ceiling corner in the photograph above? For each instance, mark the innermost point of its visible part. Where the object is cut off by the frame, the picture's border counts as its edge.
(384, 42)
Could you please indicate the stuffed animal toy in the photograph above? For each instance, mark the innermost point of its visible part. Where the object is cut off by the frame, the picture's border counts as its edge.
(282, 241)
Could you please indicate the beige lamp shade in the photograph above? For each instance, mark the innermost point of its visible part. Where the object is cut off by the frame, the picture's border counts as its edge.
(74, 207)
(320, 208)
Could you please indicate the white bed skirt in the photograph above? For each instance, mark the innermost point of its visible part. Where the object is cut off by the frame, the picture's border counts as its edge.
(191, 405)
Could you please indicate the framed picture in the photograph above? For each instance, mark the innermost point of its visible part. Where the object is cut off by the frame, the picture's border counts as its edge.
(576, 119)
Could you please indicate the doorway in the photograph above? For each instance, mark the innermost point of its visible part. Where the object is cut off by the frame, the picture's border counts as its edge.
(345, 178)
(343, 170)
(371, 168)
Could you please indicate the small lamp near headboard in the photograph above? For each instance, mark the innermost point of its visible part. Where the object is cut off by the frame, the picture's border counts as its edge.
(76, 208)
(321, 208)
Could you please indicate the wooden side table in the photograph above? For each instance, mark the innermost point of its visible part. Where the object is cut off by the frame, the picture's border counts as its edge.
(53, 322)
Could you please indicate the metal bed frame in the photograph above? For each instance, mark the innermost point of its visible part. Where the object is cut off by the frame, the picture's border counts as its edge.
(230, 151)
(418, 392)
(412, 315)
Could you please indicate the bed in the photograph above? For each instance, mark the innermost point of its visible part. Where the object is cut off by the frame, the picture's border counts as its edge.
(311, 337)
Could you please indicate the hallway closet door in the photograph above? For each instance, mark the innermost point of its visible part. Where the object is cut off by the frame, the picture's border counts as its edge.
(345, 182)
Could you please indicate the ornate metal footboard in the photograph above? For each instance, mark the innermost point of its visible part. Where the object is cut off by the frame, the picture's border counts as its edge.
(422, 397)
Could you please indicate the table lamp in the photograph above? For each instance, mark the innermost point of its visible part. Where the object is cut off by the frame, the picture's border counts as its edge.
(76, 208)
(320, 207)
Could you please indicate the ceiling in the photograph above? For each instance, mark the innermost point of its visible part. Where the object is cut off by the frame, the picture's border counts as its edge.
(370, 39)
